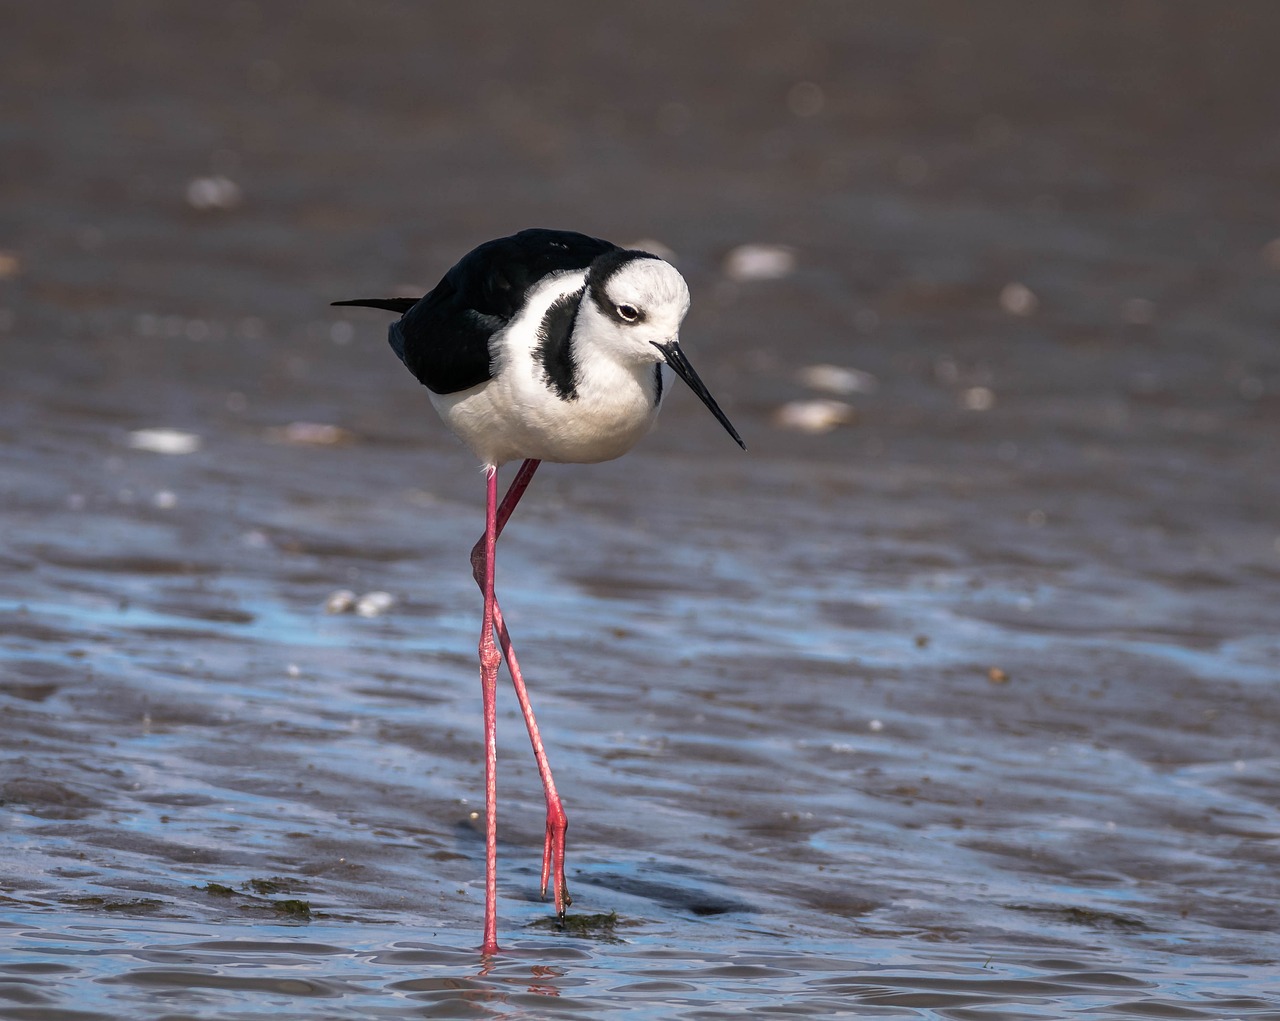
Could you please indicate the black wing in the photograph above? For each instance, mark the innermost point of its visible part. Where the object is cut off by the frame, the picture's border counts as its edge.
(444, 338)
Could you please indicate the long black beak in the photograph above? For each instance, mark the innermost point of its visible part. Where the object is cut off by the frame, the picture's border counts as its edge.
(674, 357)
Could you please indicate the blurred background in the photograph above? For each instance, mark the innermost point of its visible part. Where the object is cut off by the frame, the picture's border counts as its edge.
(967, 669)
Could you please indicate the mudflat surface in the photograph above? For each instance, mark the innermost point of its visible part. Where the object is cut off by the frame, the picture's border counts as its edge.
(966, 708)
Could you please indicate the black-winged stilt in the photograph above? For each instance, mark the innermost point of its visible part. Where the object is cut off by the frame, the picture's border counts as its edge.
(544, 346)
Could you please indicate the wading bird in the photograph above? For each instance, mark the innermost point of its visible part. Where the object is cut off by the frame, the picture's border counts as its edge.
(544, 346)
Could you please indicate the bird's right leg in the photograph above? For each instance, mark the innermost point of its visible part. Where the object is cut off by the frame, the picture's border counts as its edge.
(489, 660)
(557, 822)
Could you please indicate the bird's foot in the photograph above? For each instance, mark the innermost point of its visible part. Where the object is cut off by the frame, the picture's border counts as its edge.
(553, 857)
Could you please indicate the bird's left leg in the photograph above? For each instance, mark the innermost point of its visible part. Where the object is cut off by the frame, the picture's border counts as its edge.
(557, 822)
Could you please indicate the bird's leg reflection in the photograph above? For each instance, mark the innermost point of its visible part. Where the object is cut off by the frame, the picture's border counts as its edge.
(553, 848)
(545, 976)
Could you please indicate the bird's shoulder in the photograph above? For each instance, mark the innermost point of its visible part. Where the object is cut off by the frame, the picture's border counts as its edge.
(444, 339)
(495, 279)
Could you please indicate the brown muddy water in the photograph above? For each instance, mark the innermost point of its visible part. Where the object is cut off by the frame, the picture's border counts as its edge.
(965, 708)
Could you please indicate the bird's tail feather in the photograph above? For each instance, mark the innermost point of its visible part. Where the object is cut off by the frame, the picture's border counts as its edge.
(401, 305)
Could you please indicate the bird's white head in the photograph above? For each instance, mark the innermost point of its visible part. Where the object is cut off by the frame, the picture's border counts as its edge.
(634, 301)
(635, 305)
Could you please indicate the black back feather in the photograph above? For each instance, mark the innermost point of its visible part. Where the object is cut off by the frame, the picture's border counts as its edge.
(443, 339)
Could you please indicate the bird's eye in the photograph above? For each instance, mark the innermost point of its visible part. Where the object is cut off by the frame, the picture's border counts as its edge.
(628, 313)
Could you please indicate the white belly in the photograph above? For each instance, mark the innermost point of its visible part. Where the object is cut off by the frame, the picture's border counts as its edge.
(515, 416)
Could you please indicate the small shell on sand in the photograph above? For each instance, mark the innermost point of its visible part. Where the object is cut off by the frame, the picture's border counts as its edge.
(836, 379)
(342, 600)
(759, 262)
(311, 434)
(815, 416)
(164, 441)
(373, 604)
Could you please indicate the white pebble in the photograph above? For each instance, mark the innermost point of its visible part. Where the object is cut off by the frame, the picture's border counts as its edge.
(293, 670)
(816, 416)
(759, 262)
(978, 398)
(372, 604)
(164, 441)
(217, 192)
(311, 434)
(835, 379)
(341, 601)
(1018, 299)
(165, 499)
(876, 726)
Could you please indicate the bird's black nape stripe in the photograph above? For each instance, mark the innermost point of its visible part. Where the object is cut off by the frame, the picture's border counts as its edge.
(602, 268)
(401, 305)
(555, 346)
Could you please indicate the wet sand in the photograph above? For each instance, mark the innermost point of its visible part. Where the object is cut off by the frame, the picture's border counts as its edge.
(965, 708)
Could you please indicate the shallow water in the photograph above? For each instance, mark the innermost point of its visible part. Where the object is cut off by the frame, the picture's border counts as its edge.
(966, 709)
(350, 970)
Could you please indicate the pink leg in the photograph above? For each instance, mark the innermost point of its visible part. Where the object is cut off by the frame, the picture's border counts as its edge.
(557, 821)
(489, 660)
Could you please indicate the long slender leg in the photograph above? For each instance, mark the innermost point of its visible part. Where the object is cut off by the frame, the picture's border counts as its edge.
(489, 660)
(553, 848)
(557, 820)
(516, 490)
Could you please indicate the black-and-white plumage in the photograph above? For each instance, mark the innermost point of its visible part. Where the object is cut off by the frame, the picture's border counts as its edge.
(548, 344)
